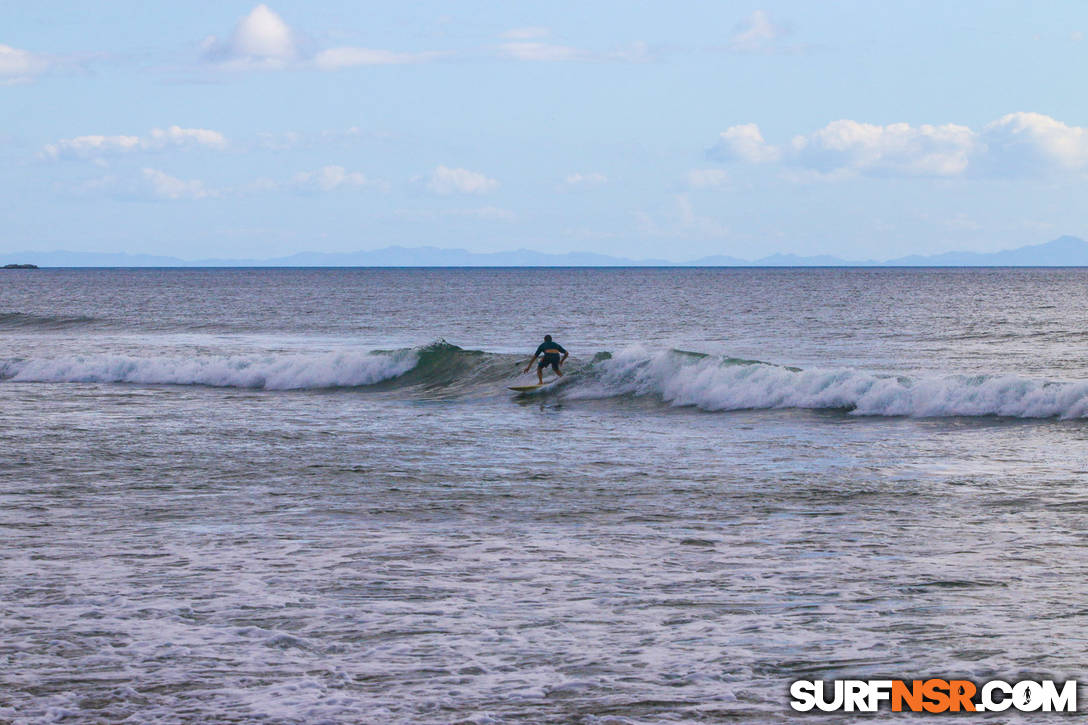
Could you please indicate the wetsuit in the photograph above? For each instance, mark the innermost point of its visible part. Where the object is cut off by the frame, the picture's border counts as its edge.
(550, 352)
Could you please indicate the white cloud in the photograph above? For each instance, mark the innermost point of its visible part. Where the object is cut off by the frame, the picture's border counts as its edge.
(539, 52)
(527, 33)
(897, 149)
(177, 136)
(350, 57)
(743, 143)
(578, 179)
(87, 146)
(164, 186)
(756, 34)
(149, 185)
(1031, 143)
(543, 52)
(707, 179)
(19, 66)
(329, 178)
(262, 40)
(157, 184)
(445, 181)
(1017, 144)
(263, 34)
(93, 146)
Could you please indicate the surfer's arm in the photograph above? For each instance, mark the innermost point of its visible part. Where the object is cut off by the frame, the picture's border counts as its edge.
(565, 355)
(531, 363)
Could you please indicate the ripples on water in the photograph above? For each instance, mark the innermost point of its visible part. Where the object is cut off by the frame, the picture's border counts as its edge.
(429, 549)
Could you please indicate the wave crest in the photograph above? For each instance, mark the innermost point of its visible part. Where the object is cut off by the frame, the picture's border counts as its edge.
(674, 377)
(716, 384)
(267, 372)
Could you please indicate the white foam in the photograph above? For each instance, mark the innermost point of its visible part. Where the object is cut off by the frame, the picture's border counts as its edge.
(712, 384)
(268, 372)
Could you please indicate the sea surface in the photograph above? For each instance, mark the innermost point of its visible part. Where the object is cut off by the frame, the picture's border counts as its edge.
(306, 496)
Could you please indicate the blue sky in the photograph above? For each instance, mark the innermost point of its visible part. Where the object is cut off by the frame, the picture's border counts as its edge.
(672, 130)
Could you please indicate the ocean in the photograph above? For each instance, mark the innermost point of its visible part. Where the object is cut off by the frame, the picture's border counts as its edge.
(307, 496)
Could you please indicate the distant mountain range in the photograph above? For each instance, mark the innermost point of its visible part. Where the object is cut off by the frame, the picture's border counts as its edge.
(1062, 252)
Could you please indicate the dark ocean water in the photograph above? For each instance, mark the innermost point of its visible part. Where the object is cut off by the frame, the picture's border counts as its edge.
(307, 496)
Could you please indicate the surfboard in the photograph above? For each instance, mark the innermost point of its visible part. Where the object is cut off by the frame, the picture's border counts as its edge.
(535, 386)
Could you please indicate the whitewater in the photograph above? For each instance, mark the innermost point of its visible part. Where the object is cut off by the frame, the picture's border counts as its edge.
(301, 496)
(676, 377)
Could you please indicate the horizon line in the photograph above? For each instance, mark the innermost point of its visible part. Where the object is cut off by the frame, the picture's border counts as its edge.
(680, 265)
(546, 259)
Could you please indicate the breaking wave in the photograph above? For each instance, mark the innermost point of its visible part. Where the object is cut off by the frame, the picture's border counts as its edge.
(273, 372)
(717, 384)
(674, 377)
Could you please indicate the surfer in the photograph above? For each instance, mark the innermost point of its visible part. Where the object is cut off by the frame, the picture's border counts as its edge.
(550, 350)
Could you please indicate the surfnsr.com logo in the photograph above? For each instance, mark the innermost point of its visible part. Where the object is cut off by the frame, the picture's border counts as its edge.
(933, 695)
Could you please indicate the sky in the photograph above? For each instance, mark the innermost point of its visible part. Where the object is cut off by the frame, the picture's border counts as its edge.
(641, 129)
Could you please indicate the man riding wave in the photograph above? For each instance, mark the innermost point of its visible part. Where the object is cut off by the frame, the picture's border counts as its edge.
(550, 350)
